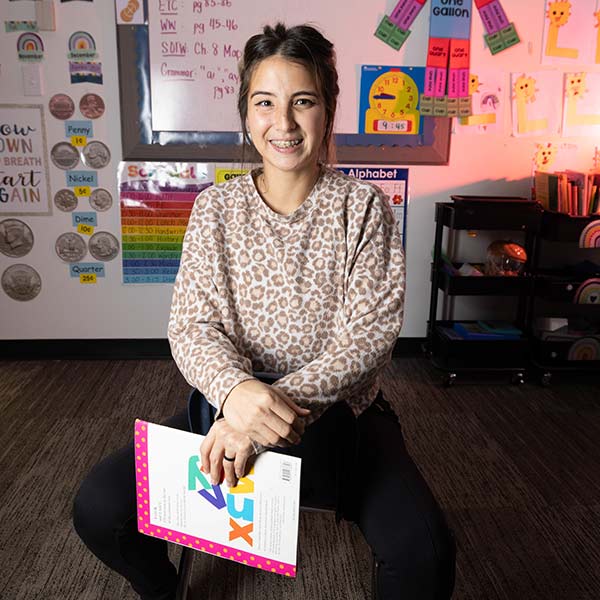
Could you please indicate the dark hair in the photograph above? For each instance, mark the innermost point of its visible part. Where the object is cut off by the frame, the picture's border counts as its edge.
(302, 44)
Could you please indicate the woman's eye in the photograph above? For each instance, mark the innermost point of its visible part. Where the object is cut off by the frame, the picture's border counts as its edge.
(304, 102)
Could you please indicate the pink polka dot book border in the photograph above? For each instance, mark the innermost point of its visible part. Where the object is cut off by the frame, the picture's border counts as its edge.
(146, 527)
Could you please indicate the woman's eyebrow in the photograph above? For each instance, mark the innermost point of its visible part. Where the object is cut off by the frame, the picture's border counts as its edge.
(299, 93)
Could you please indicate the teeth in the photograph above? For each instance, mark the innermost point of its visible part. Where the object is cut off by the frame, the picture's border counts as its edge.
(285, 144)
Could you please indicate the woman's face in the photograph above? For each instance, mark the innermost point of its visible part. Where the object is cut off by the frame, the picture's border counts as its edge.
(286, 115)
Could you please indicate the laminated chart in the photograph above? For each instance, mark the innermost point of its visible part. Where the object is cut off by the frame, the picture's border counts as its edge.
(156, 201)
(395, 28)
(446, 92)
(500, 34)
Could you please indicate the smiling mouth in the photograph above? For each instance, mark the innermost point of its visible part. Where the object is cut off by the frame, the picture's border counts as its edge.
(285, 143)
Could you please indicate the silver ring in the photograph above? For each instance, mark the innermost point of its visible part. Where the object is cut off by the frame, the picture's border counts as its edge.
(229, 459)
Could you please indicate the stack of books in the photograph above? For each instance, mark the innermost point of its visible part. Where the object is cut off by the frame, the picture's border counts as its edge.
(569, 192)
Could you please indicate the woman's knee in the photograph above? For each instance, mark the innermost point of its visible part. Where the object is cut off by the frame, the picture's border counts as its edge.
(104, 502)
(420, 550)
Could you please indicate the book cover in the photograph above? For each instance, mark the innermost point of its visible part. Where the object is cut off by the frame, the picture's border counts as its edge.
(500, 328)
(473, 331)
(254, 523)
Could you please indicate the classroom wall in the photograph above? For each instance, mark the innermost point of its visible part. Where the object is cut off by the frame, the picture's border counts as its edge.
(479, 164)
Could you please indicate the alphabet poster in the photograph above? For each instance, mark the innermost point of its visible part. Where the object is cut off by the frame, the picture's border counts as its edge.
(571, 33)
(24, 185)
(535, 110)
(581, 111)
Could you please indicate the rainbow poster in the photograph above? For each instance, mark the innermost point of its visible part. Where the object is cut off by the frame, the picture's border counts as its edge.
(81, 46)
(588, 292)
(590, 235)
(30, 47)
(585, 348)
(156, 200)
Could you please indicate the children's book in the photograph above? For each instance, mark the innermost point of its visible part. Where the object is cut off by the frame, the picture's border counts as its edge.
(500, 328)
(254, 523)
(474, 331)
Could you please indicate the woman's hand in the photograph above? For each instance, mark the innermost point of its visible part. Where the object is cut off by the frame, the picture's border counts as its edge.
(224, 441)
(264, 413)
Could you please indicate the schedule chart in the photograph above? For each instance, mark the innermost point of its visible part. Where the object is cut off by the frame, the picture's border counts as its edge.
(153, 220)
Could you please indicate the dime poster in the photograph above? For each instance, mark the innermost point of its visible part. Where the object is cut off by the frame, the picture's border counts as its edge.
(24, 183)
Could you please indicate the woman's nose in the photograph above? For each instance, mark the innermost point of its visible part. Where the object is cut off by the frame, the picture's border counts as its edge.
(285, 118)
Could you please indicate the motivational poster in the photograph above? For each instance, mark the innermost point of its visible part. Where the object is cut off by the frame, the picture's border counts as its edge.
(24, 183)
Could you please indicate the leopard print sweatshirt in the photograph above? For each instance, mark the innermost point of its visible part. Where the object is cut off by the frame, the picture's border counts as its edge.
(316, 296)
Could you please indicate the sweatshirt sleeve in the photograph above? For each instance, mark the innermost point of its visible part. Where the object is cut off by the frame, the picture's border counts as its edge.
(205, 355)
(369, 321)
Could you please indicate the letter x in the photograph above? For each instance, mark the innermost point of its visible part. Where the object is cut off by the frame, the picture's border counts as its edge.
(243, 532)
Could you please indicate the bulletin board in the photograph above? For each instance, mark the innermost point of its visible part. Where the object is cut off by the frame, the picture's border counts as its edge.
(168, 102)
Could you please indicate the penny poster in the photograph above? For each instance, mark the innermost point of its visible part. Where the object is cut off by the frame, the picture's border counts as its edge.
(24, 183)
(156, 201)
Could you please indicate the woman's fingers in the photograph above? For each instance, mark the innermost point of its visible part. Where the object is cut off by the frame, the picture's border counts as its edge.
(241, 460)
(223, 441)
(216, 464)
(206, 449)
(264, 413)
(229, 468)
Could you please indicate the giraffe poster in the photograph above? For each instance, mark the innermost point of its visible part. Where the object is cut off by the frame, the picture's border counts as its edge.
(581, 110)
(571, 32)
(486, 87)
(534, 107)
(551, 156)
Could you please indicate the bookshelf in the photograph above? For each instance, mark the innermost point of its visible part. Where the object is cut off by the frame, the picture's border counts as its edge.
(561, 269)
(457, 356)
(548, 289)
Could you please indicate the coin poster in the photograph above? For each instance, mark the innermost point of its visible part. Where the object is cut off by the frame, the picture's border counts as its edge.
(24, 184)
(156, 201)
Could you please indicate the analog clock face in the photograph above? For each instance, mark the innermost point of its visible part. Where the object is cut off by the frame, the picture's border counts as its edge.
(394, 95)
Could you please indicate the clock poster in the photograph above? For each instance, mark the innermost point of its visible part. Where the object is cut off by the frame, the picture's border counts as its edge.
(389, 99)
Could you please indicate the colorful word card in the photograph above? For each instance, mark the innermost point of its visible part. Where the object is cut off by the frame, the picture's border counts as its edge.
(500, 34)
(446, 91)
(395, 29)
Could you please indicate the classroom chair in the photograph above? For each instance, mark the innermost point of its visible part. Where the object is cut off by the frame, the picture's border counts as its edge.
(343, 443)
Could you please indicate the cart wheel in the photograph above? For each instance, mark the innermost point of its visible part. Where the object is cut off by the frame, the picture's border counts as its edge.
(449, 379)
(545, 379)
(518, 379)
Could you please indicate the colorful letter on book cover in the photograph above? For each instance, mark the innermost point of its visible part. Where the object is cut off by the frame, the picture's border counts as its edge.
(254, 523)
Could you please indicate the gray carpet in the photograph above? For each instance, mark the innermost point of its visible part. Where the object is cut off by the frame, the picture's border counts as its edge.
(517, 469)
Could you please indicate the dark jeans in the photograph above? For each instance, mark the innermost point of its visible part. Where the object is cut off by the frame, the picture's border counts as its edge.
(358, 466)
